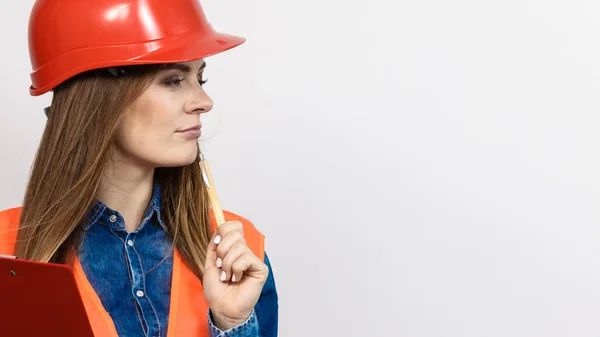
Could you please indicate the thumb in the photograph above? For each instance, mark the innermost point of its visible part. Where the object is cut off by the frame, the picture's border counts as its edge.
(211, 252)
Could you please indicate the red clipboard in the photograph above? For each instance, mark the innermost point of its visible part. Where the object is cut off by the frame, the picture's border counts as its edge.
(40, 299)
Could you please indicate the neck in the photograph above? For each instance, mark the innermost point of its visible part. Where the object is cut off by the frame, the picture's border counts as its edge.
(127, 188)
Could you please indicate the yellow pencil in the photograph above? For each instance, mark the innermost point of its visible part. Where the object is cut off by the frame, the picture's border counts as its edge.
(212, 192)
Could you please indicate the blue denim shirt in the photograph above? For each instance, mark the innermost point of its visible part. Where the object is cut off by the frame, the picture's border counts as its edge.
(131, 273)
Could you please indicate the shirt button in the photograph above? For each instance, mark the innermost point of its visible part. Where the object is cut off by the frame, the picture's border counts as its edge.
(130, 243)
(140, 293)
(113, 218)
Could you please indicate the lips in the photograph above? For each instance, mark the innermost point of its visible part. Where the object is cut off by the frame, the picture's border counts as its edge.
(195, 127)
(192, 132)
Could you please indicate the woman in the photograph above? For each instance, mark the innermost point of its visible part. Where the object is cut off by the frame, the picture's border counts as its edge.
(116, 189)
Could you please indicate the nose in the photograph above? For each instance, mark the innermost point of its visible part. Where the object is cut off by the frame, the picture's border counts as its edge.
(198, 103)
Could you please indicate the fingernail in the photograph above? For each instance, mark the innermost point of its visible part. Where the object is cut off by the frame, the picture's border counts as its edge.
(217, 239)
(223, 276)
(219, 262)
(233, 278)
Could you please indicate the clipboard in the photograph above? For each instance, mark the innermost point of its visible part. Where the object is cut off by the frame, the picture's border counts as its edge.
(40, 299)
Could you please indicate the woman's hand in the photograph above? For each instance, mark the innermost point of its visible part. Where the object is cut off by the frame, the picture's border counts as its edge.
(233, 276)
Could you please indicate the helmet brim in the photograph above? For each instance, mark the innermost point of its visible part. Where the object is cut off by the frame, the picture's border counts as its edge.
(182, 48)
(192, 49)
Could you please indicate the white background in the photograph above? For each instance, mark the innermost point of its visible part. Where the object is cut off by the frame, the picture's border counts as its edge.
(420, 168)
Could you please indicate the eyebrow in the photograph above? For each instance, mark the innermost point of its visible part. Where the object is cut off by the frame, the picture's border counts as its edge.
(182, 67)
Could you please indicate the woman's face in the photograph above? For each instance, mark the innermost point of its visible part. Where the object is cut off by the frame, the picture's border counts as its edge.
(163, 126)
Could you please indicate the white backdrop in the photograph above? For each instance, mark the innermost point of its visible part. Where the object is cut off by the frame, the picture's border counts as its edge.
(420, 168)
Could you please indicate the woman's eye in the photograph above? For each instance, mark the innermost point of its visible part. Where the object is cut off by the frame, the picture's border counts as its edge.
(173, 83)
(177, 82)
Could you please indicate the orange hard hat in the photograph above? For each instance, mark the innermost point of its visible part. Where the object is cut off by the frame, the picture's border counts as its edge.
(68, 37)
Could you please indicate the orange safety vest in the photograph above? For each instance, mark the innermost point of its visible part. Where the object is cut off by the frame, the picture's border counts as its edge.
(188, 309)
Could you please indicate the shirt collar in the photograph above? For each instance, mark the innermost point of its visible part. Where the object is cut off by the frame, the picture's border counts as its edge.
(101, 211)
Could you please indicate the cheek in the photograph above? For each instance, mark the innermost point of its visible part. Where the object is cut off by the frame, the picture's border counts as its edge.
(148, 135)
(144, 128)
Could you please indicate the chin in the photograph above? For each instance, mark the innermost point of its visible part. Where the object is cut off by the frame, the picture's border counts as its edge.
(184, 161)
(177, 159)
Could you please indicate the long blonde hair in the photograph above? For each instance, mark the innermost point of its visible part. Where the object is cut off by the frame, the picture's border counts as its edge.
(79, 136)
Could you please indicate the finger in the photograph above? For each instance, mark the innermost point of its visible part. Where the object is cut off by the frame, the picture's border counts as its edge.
(237, 250)
(247, 265)
(229, 227)
(226, 229)
(226, 243)
(211, 252)
(239, 266)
